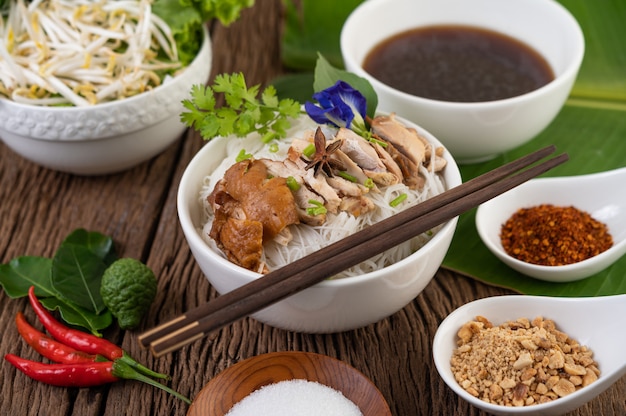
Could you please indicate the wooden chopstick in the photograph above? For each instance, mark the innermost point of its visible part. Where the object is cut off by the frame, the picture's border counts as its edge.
(325, 263)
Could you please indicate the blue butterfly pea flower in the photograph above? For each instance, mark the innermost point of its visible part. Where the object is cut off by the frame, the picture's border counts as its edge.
(339, 105)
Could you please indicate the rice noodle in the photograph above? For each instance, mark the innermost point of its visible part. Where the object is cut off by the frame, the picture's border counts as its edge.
(306, 238)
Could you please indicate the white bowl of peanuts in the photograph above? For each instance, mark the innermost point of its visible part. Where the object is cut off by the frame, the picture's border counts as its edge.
(88, 131)
(531, 355)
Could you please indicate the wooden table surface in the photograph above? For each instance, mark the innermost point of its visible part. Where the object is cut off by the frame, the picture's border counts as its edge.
(39, 207)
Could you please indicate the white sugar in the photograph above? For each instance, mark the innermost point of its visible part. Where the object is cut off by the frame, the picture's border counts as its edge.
(295, 398)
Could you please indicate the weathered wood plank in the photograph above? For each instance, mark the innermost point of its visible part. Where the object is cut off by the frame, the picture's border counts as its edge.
(137, 208)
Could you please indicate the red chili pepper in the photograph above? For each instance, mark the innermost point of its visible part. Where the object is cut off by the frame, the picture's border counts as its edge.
(49, 348)
(80, 340)
(65, 375)
(84, 375)
(84, 342)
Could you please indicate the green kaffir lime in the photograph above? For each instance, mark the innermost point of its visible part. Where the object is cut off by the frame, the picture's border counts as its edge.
(128, 288)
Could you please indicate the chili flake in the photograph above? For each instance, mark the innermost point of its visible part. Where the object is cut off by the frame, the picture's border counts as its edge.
(550, 235)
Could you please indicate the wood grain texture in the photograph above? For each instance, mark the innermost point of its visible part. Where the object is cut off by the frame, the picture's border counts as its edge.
(39, 207)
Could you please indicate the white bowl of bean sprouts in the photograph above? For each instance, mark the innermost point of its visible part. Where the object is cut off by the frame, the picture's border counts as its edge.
(91, 125)
(382, 286)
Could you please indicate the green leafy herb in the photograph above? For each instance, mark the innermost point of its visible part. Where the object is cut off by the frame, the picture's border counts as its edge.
(250, 109)
(77, 316)
(244, 111)
(77, 268)
(69, 282)
(23, 272)
(76, 272)
(187, 17)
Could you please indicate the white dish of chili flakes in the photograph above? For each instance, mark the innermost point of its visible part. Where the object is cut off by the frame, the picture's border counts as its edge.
(571, 244)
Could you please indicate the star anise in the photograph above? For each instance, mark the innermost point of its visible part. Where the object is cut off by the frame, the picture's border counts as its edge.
(322, 158)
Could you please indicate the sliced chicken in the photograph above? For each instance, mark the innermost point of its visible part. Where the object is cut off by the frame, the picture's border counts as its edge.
(318, 184)
(359, 150)
(345, 187)
(352, 168)
(365, 156)
(405, 139)
(388, 161)
(357, 205)
(410, 170)
(302, 195)
(253, 204)
(436, 162)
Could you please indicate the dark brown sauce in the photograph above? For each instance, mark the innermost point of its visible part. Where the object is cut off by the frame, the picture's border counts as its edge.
(458, 63)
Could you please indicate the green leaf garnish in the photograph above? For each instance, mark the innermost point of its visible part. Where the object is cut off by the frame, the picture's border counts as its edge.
(317, 208)
(397, 200)
(292, 183)
(242, 155)
(246, 109)
(69, 282)
(347, 176)
(327, 75)
(186, 18)
(17, 276)
(76, 272)
(309, 150)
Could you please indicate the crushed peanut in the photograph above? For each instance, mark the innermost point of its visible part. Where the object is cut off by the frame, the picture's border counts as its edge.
(520, 363)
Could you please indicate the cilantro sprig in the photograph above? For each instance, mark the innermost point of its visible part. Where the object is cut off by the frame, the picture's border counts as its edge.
(245, 110)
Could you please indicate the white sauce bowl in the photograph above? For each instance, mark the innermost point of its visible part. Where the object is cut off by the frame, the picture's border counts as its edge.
(476, 131)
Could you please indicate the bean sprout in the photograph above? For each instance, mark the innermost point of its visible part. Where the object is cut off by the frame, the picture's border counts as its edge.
(83, 52)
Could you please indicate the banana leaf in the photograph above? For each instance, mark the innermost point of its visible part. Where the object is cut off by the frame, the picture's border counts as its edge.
(591, 128)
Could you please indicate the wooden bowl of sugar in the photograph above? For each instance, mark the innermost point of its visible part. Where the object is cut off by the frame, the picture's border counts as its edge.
(290, 383)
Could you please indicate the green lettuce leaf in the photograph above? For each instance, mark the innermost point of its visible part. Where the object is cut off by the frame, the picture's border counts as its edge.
(186, 25)
(186, 19)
